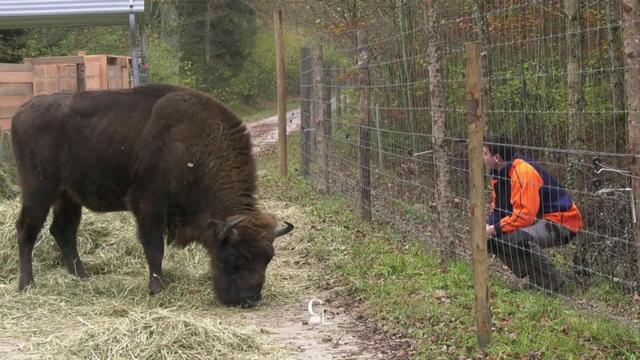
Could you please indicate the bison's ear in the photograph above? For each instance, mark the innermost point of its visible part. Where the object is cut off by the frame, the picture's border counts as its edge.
(226, 231)
(283, 229)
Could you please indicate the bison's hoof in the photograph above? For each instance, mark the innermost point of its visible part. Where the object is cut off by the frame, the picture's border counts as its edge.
(82, 274)
(78, 270)
(157, 284)
(25, 285)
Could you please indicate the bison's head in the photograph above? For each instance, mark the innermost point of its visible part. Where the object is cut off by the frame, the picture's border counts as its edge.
(243, 249)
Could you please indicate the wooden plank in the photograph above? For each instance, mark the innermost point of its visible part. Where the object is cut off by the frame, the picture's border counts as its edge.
(92, 75)
(124, 73)
(67, 85)
(15, 77)
(45, 86)
(14, 100)
(7, 111)
(55, 60)
(16, 67)
(104, 82)
(9, 89)
(5, 123)
(45, 72)
(67, 71)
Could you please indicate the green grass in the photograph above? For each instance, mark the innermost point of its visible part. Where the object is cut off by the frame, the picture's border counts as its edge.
(261, 111)
(404, 286)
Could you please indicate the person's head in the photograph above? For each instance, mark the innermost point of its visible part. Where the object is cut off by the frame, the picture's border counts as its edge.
(497, 150)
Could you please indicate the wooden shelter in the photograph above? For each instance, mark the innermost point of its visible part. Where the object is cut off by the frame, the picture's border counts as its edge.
(20, 82)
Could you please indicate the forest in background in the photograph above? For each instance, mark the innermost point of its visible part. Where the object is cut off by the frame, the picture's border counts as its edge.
(223, 47)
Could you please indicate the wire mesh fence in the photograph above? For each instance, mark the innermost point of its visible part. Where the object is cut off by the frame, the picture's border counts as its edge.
(389, 98)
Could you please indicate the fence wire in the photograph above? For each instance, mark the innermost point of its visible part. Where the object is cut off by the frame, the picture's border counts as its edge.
(553, 83)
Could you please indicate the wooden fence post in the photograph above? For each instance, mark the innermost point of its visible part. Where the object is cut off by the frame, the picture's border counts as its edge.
(338, 93)
(476, 196)
(282, 94)
(379, 136)
(365, 121)
(320, 121)
(306, 82)
(631, 34)
(328, 80)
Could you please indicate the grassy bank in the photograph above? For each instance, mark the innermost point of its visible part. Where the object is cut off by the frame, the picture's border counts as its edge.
(404, 286)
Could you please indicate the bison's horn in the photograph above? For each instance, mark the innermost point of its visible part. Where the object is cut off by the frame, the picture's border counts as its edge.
(283, 230)
(229, 227)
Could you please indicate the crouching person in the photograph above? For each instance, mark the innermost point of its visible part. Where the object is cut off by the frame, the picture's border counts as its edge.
(531, 211)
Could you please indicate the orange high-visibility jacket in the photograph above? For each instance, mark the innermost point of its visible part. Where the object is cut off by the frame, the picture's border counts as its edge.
(524, 192)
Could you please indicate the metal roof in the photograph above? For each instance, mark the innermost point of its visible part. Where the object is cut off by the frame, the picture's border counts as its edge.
(15, 14)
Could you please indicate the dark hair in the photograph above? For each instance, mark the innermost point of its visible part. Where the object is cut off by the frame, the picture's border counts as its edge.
(500, 144)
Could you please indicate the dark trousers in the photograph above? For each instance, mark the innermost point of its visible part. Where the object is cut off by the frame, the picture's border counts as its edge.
(521, 251)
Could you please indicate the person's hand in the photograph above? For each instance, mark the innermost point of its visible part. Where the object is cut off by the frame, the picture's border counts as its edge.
(490, 231)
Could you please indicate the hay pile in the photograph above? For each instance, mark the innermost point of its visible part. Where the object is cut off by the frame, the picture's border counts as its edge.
(111, 315)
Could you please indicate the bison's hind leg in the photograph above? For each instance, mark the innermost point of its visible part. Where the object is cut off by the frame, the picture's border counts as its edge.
(64, 228)
(35, 207)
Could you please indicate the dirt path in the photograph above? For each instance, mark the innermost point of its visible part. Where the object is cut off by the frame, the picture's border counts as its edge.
(264, 133)
(345, 334)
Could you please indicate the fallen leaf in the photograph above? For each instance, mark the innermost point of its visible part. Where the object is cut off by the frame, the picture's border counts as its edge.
(544, 320)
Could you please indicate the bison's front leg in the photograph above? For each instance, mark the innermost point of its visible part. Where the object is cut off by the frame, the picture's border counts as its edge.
(151, 225)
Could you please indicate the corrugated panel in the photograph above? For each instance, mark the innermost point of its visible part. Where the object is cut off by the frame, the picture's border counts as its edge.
(50, 13)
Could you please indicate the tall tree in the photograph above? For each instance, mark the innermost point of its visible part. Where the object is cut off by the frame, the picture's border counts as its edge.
(439, 128)
(484, 38)
(616, 72)
(216, 37)
(631, 17)
(575, 82)
(12, 45)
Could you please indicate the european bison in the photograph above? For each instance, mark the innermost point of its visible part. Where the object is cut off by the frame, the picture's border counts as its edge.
(177, 159)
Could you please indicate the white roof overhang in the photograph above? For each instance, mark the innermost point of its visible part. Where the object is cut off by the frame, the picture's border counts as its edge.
(20, 14)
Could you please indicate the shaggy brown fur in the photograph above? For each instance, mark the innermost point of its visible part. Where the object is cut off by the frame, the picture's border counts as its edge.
(174, 157)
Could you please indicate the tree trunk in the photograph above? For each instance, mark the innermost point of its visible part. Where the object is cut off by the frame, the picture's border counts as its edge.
(207, 32)
(439, 131)
(616, 71)
(483, 35)
(575, 82)
(631, 34)
(408, 78)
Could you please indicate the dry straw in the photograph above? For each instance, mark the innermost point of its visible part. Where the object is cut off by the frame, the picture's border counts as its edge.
(110, 315)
